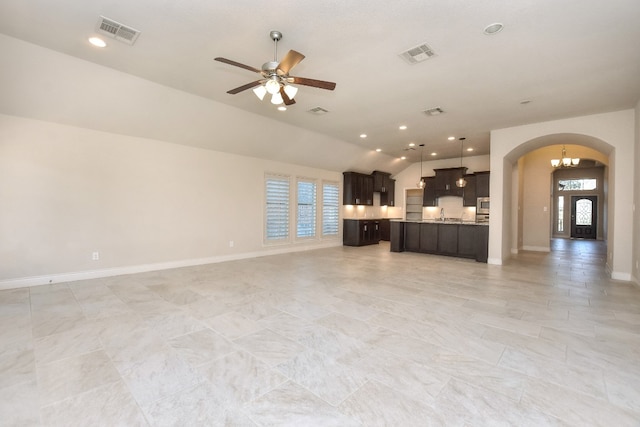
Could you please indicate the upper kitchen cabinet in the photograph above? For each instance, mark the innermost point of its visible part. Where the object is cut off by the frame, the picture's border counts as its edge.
(358, 189)
(429, 197)
(445, 182)
(383, 184)
(482, 184)
(469, 197)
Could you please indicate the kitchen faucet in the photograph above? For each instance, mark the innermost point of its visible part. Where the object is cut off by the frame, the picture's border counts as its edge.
(441, 214)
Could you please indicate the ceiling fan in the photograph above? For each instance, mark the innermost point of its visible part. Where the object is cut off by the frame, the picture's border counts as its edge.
(275, 76)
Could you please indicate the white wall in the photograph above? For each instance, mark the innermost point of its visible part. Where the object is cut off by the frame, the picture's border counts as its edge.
(46, 85)
(143, 204)
(609, 133)
(636, 199)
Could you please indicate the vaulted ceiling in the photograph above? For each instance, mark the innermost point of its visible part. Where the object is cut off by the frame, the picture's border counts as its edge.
(553, 59)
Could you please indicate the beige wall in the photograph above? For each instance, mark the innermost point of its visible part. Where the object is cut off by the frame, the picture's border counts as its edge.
(536, 194)
(143, 204)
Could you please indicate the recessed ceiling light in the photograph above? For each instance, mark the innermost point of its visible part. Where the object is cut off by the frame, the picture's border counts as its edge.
(378, 149)
(363, 135)
(469, 149)
(97, 42)
(451, 138)
(402, 127)
(434, 154)
(493, 29)
(412, 144)
(403, 157)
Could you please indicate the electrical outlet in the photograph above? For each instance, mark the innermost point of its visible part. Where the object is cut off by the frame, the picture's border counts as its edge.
(231, 243)
(95, 256)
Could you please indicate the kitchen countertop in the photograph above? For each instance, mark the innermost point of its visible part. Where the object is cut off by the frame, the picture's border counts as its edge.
(447, 221)
(373, 219)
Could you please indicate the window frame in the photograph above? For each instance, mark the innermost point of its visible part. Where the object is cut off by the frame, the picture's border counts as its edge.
(314, 207)
(323, 220)
(287, 238)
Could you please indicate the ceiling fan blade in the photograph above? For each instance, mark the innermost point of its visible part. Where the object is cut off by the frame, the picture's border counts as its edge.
(290, 60)
(314, 83)
(285, 97)
(244, 87)
(237, 64)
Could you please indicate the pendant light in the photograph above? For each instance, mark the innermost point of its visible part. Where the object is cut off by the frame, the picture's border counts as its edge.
(461, 182)
(421, 183)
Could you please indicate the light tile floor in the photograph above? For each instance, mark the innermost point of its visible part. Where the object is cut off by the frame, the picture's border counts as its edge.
(332, 337)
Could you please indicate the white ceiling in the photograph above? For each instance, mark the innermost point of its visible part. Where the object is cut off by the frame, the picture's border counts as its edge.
(567, 57)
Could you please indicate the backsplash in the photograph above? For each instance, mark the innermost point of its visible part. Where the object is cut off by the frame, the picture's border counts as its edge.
(351, 211)
(452, 209)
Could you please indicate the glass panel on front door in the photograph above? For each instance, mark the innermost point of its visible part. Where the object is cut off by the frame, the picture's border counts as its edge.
(584, 210)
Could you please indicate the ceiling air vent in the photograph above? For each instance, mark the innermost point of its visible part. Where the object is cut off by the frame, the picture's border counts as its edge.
(117, 31)
(420, 53)
(434, 111)
(318, 111)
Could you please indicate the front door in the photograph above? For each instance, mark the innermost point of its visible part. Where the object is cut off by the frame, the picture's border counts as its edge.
(584, 211)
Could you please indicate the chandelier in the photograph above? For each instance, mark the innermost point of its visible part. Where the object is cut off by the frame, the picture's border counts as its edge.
(564, 161)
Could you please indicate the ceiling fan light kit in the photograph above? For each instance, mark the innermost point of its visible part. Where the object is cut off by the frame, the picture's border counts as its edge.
(275, 76)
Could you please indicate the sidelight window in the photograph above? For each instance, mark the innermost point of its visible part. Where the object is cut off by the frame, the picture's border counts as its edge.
(560, 214)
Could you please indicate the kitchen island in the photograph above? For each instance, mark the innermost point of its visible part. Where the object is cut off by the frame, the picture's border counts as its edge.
(442, 237)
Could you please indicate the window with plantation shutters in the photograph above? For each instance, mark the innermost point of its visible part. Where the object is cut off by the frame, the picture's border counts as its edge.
(306, 212)
(277, 208)
(330, 209)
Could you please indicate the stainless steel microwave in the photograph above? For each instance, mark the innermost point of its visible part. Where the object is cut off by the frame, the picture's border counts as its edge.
(482, 206)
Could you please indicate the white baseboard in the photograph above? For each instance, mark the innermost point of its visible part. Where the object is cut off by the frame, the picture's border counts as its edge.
(515, 251)
(494, 261)
(537, 248)
(625, 277)
(25, 282)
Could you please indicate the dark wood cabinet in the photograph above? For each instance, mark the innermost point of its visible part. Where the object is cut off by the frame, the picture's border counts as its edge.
(387, 198)
(397, 236)
(448, 239)
(445, 181)
(385, 230)
(358, 189)
(412, 236)
(383, 184)
(459, 240)
(357, 232)
(482, 244)
(429, 195)
(469, 197)
(482, 184)
(467, 240)
(428, 238)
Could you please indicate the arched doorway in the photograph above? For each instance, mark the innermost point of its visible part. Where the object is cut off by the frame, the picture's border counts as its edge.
(544, 209)
(610, 134)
